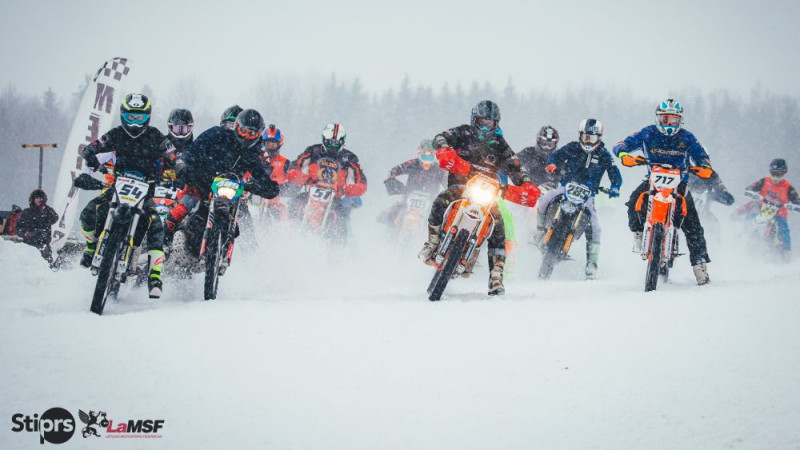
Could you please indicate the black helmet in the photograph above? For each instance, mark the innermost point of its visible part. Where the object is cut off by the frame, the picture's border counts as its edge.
(484, 112)
(37, 193)
(248, 127)
(546, 140)
(180, 123)
(134, 112)
(229, 116)
(777, 168)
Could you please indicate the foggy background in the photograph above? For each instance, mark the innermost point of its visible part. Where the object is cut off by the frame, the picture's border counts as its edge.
(395, 74)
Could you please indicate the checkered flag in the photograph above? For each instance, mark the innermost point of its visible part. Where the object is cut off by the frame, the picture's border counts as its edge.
(116, 68)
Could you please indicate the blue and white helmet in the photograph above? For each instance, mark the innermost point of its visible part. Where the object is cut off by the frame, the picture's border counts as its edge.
(669, 117)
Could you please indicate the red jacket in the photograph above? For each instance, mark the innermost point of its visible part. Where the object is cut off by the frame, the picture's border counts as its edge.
(343, 170)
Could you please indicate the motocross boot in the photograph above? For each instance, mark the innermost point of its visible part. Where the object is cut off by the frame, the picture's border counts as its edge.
(701, 274)
(91, 247)
(592, 254)
(637, 242)
(156, 260)
(536, 237)
(496, 263)
(429, 248)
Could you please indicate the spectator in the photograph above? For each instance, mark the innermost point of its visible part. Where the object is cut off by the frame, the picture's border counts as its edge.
(35, 223)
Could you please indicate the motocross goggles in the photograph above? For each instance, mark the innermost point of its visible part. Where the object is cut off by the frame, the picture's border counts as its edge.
(332, 144)
(248, 133)
(672, 120)
(427, 157)
(180, 130)
(549, 146)
(589, 138)
(489, 123)
(134, 118)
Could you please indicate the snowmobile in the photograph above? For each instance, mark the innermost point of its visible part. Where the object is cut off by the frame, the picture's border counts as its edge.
(468, 224)
(566, 219)
(113, 258)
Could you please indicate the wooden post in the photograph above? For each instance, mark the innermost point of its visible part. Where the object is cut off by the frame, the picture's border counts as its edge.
(41, 156)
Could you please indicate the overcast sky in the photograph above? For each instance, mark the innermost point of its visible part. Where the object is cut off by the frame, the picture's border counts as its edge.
(652, 48)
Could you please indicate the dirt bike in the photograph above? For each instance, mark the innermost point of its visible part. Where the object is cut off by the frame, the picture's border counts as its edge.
(115, 247)
(660, 235)
(320, 213)
(165, 197)
(412, 219)
(468, 224)
(216, 247)
(566, 220)
(762, 227)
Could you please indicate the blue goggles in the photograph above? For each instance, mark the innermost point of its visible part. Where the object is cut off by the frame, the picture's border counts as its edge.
(133, 118)
(427, 157)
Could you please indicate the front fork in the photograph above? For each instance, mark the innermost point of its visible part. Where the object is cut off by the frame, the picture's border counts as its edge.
(122, 263)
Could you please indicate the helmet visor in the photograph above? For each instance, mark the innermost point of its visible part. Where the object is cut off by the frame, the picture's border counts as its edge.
(248, 133)
(180, 130)
(670, 120)
(132, 118)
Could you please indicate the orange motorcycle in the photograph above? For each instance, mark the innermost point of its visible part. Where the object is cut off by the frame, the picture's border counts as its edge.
(468, 224)
(664, 205)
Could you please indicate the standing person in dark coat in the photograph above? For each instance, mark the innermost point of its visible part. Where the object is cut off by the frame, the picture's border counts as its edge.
(36, 221)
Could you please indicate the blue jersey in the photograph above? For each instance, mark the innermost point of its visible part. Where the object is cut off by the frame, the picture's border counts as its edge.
(674, 150)
(585, 168)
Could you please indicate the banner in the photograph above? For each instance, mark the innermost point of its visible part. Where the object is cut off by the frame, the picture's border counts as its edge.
(95, 116)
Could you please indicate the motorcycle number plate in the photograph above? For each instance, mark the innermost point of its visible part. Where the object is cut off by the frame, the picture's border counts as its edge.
(577, 193)
(320, 194)
(166, 192)
(417, 201)
(130, 191)
(664, 180)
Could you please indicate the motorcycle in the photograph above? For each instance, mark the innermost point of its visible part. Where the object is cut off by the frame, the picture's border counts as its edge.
(209, 251)
(319, 214)
(762, 227)
(566, 220)
(411, 220)
(468, 224)
(165, 197)
(115, 246)
(660, 235)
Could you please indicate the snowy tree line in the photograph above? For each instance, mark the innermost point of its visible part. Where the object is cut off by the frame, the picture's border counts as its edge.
(742, 133)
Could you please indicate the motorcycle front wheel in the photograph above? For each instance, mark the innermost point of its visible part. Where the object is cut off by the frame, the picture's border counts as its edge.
(654, 257)
(441, 277)
(107, 285)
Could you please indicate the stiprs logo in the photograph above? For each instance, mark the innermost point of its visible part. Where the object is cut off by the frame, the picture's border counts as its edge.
(56, 425)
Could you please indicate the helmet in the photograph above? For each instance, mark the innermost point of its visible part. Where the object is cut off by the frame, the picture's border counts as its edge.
(333, 138)
(229, 116)
(180, 123)
(134, 113)
(669, 117)
(427, 154)
(273, 140)
(485, 115)
(546, 140)
(589, 132)
(248, 127)
(777, 168)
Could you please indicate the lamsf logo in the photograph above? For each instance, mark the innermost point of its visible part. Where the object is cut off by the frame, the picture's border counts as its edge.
(56, 425)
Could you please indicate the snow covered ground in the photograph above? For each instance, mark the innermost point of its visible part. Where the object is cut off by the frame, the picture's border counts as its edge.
(305, 349)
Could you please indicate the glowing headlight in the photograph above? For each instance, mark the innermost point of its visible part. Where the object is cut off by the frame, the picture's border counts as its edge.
(226, 192)
(481, 196)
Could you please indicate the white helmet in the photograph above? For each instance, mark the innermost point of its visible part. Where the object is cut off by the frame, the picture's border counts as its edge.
(333, 137)
(589, 132)
(669, 117)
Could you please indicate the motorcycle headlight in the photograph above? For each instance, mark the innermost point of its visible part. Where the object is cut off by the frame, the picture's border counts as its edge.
(226, 192)
(481, 195)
